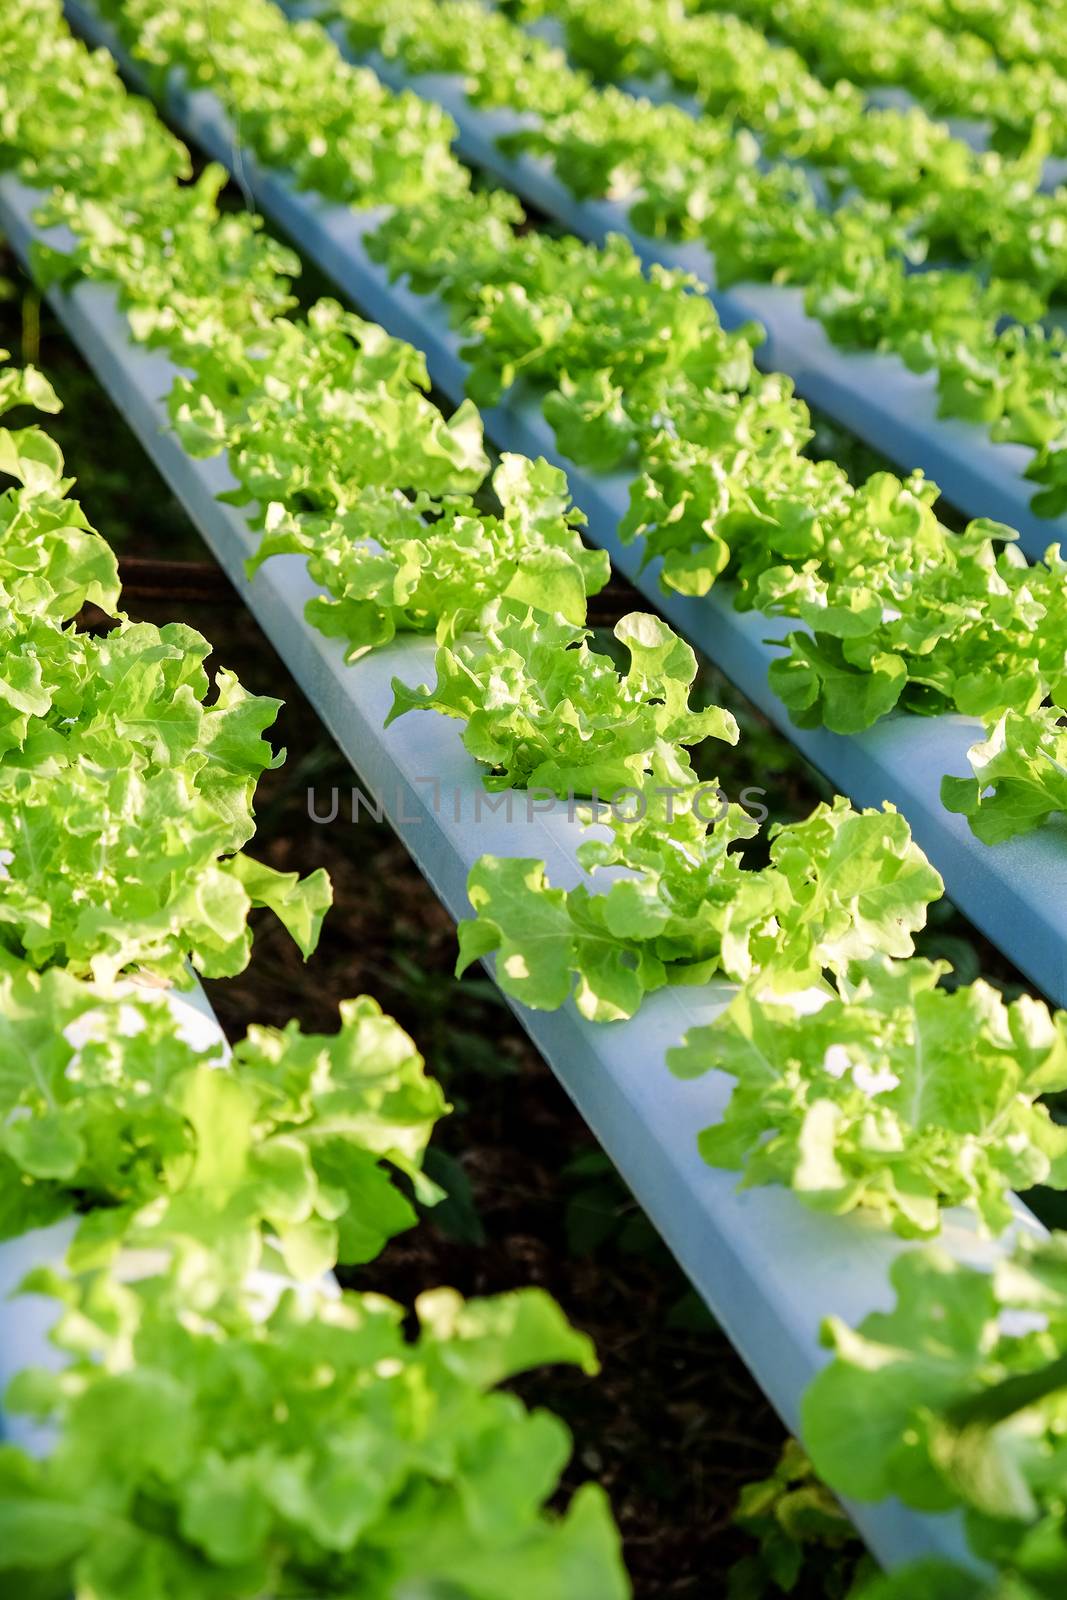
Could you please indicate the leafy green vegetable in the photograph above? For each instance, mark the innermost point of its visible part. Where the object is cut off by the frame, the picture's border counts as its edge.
(357, 140)
(975, 634)
(911, 190)
(840, 886)
(1020, 776)
(956, 1397)
(328, 431)
(123, 797)
(51, 560)
(898, 155)
(929, 48)
(211, 1442)
(311, 1448)
(317, 410)
(633, 369)
(895, 1095)
(124, 793)
(543, 711)
(393, 565)
(107, 1109)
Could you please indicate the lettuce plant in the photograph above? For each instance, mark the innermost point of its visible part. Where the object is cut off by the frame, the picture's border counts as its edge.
(125, 793)
(839, 887)
(51, 560)
(923, 193)
(941, 55)
(309, 1445)
(955, 1397)
(894, 1094)
(1020, 775)
(125, 800)
(211, 1448)
(394, 565)
(356, 138)
(898, 155)
(544, 711)
(108, 1111)
(316, 410)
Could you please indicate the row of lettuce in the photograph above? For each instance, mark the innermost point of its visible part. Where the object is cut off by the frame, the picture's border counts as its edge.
(223, 1421)
(853, 253)
(940, 244)
(1018, 30)
(634, 374)
(814, 64)
(861, 1080)
(957, 62)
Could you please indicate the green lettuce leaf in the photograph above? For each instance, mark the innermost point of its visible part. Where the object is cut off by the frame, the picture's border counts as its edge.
(218, 1463)
(840, 887)
(956, 1397)
(894, 1095)
(1020, 776)
(544, 711)
(107, 1108)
